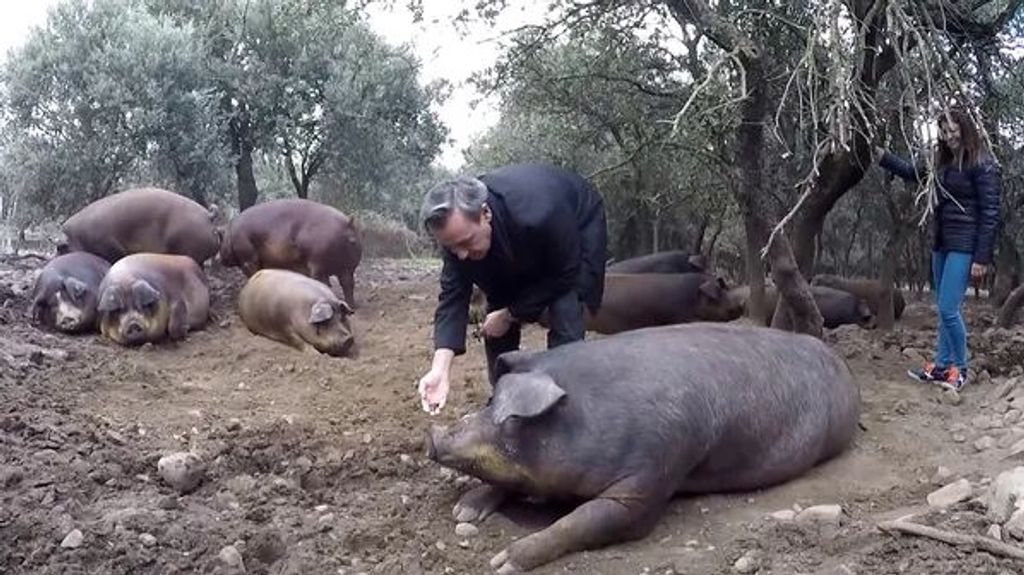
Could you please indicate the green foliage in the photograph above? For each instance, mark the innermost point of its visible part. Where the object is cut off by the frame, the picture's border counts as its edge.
(191, 95)
(103, 95)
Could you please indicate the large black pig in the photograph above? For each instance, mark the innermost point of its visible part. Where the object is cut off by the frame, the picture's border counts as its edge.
(625, 422)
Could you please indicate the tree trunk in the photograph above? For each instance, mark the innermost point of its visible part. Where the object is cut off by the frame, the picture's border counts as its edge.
(1007, 276)
(702, 230)
(1008, 312)
(793, 288)
(242, 143)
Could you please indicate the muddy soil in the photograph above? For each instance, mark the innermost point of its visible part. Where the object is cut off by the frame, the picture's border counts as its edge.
(315, 465)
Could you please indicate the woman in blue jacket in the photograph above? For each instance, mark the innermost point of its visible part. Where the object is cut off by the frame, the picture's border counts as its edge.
(966, 201)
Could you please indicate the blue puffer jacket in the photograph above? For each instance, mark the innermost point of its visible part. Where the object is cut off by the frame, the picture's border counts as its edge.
(970, 226)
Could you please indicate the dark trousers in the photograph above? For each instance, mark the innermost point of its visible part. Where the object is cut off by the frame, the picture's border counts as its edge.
(565, 325)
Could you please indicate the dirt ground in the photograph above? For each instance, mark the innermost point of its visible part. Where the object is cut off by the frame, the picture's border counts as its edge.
(316, 465)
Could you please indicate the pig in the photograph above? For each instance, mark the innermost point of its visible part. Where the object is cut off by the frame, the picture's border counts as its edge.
(299, 235)
(866, 289)
(622, 423)
(670, 262)
(66, 292)
(148, 297)
(143, 220)
(633, 301)
(837, 307)
(297, 310)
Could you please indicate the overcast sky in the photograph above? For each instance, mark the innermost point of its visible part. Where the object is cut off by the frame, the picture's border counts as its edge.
(443, 51)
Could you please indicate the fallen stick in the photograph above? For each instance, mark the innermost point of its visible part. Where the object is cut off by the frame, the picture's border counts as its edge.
(981, 542)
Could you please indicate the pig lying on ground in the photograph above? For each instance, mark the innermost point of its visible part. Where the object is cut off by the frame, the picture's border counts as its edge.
(625, 422)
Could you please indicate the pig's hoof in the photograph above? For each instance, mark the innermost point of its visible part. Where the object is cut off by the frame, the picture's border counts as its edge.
(478, 503)
(503, 564)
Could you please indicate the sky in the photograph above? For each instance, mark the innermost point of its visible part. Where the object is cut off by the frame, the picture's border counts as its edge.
(443, 51)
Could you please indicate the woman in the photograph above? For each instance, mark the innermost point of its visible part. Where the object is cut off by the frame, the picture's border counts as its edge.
(966, 200)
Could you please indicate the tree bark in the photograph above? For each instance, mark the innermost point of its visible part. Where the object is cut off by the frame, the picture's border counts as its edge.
(1008, 312)
(793, 289)
(841, 170)
(243, 146)
(1007, 276)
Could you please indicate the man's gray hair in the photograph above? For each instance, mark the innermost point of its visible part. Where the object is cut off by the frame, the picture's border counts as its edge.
(464, 193)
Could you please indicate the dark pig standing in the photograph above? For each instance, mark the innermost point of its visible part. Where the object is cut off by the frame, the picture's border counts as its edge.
(837, 307)
(298, 235)
(67, 292)
(297, 310)
(143, 220)
(670, 262)
(623, 423)
(866, 289)
(633, 301)
(147, 297)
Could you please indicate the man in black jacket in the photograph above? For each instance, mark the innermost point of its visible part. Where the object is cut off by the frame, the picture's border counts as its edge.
(532, 237)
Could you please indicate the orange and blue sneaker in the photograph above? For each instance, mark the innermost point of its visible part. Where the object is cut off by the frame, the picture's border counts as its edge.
(930, 373)
(955, 379)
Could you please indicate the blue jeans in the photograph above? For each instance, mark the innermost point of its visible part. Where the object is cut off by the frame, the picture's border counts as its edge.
(950, 273)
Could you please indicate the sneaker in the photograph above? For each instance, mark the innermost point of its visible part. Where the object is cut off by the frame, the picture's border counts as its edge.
(927, 374)
(954, 379)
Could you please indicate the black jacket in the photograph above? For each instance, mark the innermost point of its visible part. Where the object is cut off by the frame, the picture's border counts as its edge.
(967, 215)
(548, 236)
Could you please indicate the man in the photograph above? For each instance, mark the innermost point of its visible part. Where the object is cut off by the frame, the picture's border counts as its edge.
(533, 238)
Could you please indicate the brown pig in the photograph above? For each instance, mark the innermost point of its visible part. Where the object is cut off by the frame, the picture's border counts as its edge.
(142, 220)
(147, 297)
(296, 310)
(67, 292)
(298, 235)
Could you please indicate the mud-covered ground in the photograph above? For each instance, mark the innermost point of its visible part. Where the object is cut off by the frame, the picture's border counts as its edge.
(316, 465)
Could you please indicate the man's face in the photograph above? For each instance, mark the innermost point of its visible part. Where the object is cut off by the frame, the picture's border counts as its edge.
(464, 237)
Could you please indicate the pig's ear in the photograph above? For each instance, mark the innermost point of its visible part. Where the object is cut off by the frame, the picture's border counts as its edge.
(321, 312)
(75, 288)
(110, 300)
(712, 289)
(524, 395)
(145, 294)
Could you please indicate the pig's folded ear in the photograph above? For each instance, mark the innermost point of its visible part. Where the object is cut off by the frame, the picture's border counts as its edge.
(75, 288)
(110, 300)
(321, 312)
(524, 395)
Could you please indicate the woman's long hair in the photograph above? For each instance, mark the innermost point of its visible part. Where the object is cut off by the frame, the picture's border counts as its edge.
(970, 140)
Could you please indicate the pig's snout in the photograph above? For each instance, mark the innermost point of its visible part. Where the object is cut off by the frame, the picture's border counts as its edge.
(134, 333)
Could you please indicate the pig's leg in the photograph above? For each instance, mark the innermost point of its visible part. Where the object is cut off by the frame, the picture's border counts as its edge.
(593, 524)
(177, 323)
(477, 503)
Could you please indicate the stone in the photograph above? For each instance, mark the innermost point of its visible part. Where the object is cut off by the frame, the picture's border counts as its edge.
(950, 495)
(1010, 417)
(73, 540)
(1003, 494)
(147, 539)
(995, 532)
(748, 563)
(941, 475)
(828, 514)
(1015, 526)
(952, 397)
(784, 515)
(985, 443)
(466, 530)
(231, 557)
(183, 471)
